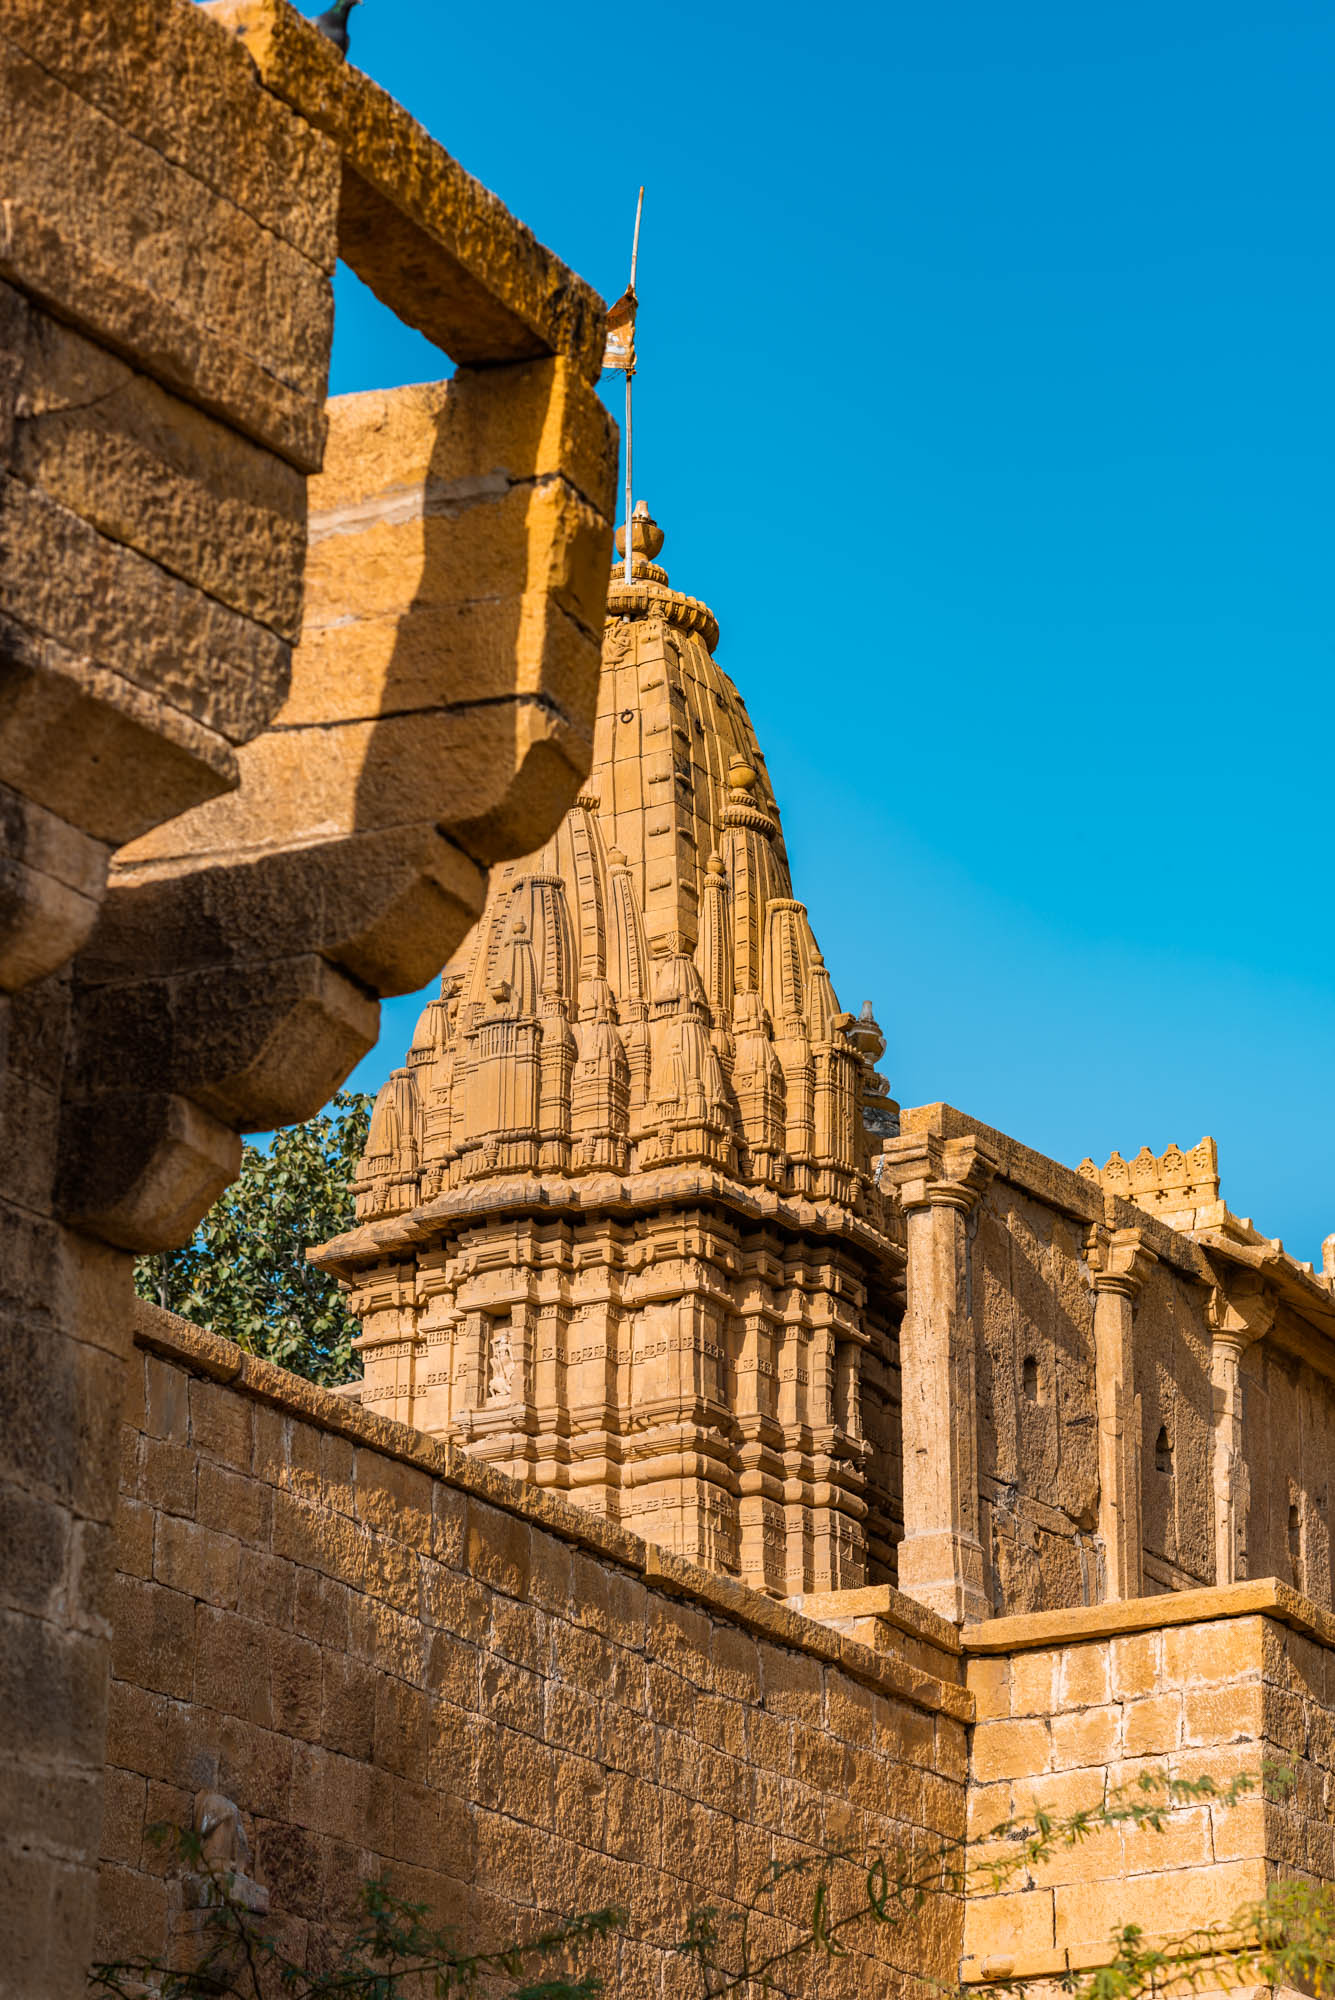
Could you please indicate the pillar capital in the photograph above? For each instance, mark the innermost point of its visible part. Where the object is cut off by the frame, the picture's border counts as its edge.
(927, 1171)
(1120, 1261)
(1241, 1309)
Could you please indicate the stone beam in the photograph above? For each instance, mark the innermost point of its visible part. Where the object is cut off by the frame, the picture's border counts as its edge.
(438, 248)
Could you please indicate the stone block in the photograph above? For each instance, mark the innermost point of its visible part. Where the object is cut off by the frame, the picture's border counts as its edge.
(169, 1476)
(1088, 1736)
(51, 882)
(201, 1562)
(1083, 1675)
(231, 1666)
(140, 1170)
(1218, 1652)
(200, 255)
(86, 743)
(45, 257)
(989, 1682)
(245, 1505)
(153, 1642)
(402, 1727)
(184, 86)
(348, 1690)
(135, 1522)
(1010, 1749)
(123, 1816)
(146, 469)
(266, 1589)
(1166, 1903)
(1033, 1683)
(454, 1671)
(36, 1535)
(1223, 1714)
(1009, 1927)
(394, 1498)
(1136, 1664)
(499, 1548)
(1152, 1727)
(438, 248)
(98, 599)
(296, 1686)
(220, 1426)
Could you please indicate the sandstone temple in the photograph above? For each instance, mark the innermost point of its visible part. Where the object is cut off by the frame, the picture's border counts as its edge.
(744, 1467)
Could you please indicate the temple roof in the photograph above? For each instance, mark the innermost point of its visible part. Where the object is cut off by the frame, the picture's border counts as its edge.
(645, 990)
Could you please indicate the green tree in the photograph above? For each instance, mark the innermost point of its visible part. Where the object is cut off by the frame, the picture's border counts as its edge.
(244, 1272)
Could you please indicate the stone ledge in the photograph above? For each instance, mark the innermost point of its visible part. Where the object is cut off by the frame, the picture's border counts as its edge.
(205, 1353)
(600, 1192)
(440, 250)
(1266, 1595)
(881, 1600)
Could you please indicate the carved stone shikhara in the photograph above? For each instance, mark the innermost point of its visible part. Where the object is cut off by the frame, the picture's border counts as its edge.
(619, 1231)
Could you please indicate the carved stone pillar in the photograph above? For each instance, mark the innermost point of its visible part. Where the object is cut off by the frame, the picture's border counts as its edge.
(941, 1557)
(1241, 1311)
(1121, 1263)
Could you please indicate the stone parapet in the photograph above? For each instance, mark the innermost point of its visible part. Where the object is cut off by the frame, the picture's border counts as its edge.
(1073, 1706)
(385, 1652)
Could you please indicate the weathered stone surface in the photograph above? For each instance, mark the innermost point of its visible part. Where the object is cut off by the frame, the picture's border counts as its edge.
(146, 469)
(140, 1170)
(251, 1050)
(643, 1719)
(168, 231)
(440, 250)
(102, 188)
(91, 746)
(51, 882)
(156, 335)
(183, 85)
(63, 581)
(399, 768)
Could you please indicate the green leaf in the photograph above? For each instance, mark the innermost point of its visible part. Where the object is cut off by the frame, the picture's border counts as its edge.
(244, 1272)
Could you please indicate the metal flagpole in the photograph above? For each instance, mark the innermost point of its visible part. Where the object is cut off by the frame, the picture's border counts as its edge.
(630, 374)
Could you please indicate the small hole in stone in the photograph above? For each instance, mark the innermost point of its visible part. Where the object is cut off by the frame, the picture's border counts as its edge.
(1163, 1451)
(1029, 1377)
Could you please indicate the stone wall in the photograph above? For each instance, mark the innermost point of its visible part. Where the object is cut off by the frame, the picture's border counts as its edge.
(1065, 1426)
(1288, 1451)
(176, 186)
(1072, 1706)
(386, 1653)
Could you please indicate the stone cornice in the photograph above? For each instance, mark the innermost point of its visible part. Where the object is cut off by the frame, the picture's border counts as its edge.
(615, 1195)
(643, 599)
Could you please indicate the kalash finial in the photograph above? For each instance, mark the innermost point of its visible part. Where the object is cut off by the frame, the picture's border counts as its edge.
(646, 539)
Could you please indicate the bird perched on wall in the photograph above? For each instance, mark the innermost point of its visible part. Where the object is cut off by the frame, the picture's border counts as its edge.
(333, 23)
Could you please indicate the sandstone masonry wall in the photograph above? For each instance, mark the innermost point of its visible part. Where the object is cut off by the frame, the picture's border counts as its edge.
(1073, 1706)
(387, 1653)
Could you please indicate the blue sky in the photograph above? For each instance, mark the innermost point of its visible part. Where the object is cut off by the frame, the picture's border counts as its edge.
(984, 395)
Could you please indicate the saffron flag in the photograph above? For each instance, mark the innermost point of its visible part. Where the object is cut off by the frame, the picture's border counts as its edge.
(620, 350)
